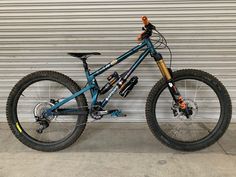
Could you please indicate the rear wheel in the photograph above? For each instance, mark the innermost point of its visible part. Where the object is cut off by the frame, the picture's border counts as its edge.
(210, 111)
(30, 97)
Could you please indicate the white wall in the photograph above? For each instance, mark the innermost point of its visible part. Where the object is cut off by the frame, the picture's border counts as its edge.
(36, 35)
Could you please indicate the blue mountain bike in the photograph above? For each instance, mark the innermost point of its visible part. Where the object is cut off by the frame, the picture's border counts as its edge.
(186, 110)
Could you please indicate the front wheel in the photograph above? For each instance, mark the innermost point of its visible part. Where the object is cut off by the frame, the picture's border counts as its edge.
(211, 111)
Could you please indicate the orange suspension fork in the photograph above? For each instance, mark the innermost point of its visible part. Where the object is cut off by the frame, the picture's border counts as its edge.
(167, 74)
(164, 70)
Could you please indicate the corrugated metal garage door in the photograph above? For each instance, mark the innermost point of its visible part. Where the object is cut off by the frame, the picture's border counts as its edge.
(36, 35)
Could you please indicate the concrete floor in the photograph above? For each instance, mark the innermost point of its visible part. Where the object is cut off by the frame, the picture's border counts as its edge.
(117, 150)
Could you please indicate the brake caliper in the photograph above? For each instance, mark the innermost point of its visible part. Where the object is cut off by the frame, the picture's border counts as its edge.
(185, 107)
(182, 103)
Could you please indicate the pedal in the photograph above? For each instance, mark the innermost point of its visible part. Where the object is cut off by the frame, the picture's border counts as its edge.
(117, 113)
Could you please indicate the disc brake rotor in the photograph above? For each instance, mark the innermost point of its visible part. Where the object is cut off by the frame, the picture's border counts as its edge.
(192, 105)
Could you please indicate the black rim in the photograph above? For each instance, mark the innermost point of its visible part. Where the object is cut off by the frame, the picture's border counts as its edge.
(15, 116)
(211, 133)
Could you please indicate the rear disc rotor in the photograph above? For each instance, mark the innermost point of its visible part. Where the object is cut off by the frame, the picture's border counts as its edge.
(40, 109)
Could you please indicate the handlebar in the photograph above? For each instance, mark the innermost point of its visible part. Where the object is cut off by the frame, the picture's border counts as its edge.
(148, 27)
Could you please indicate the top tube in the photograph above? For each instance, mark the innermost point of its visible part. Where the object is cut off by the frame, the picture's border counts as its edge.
(119, 59)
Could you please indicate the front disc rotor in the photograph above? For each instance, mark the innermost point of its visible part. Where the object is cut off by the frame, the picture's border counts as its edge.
(192, 105)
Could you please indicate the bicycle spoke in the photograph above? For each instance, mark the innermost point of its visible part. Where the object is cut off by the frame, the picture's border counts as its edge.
(38, 91)
(185, 90)
(49, 90)
(196, 90)
(58, 128)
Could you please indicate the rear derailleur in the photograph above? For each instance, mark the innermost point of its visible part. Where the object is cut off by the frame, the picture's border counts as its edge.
(39, 111)
(43, 125)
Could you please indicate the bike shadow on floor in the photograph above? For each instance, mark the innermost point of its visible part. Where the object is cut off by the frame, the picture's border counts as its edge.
(126, 138)
(107, 137)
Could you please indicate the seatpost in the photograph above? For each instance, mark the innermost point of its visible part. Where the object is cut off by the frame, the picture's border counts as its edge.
(86, 69)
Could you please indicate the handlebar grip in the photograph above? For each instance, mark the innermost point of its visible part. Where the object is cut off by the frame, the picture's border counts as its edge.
(145, 20)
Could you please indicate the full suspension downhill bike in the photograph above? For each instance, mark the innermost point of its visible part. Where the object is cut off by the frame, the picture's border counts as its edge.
(186, 110)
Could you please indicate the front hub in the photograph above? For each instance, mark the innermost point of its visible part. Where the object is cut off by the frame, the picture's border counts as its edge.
(188, 113)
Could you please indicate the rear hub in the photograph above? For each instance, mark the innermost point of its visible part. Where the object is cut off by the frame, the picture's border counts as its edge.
(41, 108)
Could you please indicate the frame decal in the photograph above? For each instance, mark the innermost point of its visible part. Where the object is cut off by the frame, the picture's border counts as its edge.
(114, 62)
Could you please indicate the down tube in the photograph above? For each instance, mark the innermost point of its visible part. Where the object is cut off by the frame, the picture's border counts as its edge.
(130, 71)
(136, 64)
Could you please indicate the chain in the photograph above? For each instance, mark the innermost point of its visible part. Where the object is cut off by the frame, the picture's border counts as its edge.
(90, 121)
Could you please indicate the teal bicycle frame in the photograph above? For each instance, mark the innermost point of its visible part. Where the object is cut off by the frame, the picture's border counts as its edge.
(91, 77)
